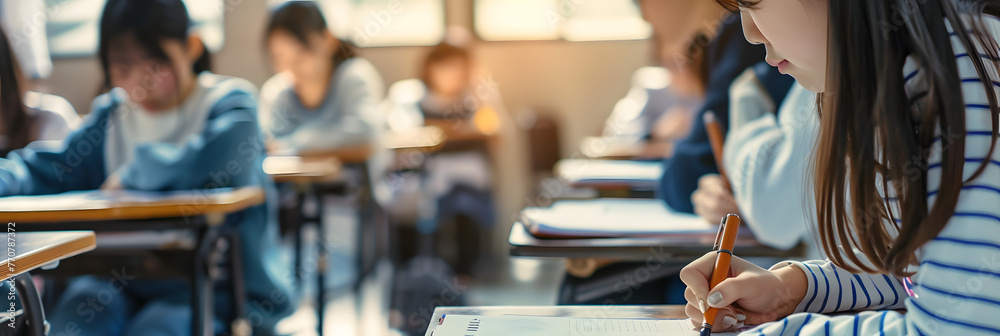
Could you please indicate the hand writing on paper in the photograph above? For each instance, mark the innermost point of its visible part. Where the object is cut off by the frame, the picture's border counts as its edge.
(751, 295)
(713, 199)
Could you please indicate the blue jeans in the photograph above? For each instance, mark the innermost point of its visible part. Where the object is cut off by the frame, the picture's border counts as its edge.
(120, 306)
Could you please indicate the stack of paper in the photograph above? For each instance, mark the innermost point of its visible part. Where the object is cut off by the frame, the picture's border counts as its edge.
(641, 174)
(611, 217)
(475, 325)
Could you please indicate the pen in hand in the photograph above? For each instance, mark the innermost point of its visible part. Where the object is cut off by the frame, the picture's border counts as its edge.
(725, 242)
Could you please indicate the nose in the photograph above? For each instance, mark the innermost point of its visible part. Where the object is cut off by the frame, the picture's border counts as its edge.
(750, 30)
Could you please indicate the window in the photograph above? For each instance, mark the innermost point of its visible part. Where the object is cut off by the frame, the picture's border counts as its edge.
(379, 23)
(72, 25)
(572, 20)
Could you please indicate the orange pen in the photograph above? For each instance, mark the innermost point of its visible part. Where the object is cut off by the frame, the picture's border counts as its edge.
(716, 139)
(725, 242)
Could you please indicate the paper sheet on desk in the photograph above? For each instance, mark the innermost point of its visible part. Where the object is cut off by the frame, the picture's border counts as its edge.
(475, 325)
(612, 218)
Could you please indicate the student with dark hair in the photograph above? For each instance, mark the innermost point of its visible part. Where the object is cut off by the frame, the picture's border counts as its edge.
(167, 124)
(907, 172)
(324, 96)
(19, 123)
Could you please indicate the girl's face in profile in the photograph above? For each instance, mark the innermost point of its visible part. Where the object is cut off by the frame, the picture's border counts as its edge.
(795, 35)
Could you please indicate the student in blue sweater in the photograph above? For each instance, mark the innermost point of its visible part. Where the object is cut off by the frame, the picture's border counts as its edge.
(167, 124)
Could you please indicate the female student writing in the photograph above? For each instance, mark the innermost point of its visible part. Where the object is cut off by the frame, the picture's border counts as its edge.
(168, 124)
(907, 172)
(324, 96)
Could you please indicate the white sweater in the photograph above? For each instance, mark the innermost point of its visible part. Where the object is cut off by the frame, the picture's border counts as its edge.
(958, 277)
(768, 162)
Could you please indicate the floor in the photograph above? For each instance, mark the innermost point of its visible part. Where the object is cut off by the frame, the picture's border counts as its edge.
(364, 309)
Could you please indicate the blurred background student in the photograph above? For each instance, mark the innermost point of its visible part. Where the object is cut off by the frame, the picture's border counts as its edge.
(168, 123)
(324, 96)
(22, 118)
(456, 204)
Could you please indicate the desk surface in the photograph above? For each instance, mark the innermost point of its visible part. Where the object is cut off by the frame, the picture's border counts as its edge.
(297, 169)
(349, 154)
(610, 174)
(37, 249)
(101, 205)
(609, 311)
(458, 129)
(523, 244)
(604, 149)
(427, 138)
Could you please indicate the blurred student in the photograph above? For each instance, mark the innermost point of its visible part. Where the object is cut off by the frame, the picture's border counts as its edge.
(324, 96)
(167, 124)
(907, 173)
(660, 105)
(721, 54)
(458, 180)
(21, 122)
(766, 158)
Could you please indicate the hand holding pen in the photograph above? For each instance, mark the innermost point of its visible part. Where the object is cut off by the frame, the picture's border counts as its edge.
(726, 292)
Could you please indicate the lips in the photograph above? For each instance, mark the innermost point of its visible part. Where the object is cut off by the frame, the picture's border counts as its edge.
(781, 65)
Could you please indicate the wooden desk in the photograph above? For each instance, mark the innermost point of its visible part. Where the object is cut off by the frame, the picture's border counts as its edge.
(37, 249)
(350, 154)
(426, 139)
(682, 248)
(610, 311)
(458, 129)
(609, 174)
(608, 149)
(199, 211)
(32, 250)
(43, 212)
(297, 169)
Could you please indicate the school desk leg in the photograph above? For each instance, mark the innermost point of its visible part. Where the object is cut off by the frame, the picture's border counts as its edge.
(201, 284)
(31, 303)
(240, 325)
(322, 253)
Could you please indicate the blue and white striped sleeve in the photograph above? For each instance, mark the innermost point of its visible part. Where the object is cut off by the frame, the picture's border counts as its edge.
(957, 283)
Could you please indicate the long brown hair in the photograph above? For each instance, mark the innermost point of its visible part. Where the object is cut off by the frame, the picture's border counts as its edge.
(869, 138)
(18, 126)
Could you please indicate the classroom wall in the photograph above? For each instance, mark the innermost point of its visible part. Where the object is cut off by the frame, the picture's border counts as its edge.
(579, 81)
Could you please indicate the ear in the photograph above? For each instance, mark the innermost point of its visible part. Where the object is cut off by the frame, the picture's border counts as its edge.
(331, 41)
(195, 47)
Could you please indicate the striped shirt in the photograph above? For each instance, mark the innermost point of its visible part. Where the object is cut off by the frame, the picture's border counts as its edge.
(958, 277)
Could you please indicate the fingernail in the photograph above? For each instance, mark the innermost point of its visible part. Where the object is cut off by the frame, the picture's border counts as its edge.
(738, 325)
(729, 320)
(701, 305)
(715, 299)
(741, 317)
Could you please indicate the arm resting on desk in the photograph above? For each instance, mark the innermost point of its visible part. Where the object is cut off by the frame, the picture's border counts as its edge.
(76, 164)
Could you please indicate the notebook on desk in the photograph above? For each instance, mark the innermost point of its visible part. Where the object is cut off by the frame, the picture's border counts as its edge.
(640, 174)
(475, 325)
(612, 218)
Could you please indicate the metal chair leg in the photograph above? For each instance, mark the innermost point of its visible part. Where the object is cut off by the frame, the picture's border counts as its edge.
(31, 304)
